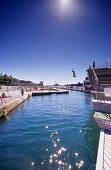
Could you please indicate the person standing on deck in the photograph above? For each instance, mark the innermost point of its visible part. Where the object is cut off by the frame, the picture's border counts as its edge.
(22, 91)
(93, 64)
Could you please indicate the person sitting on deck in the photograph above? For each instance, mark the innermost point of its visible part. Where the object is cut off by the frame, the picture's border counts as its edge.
(4, 96)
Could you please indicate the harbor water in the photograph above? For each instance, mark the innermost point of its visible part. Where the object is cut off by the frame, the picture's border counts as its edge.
(53, 132)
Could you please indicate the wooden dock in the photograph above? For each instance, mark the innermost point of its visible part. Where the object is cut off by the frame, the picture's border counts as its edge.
(104, 151)
(39, 93)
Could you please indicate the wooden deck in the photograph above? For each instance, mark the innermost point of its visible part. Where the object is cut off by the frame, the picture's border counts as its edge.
(104, 151)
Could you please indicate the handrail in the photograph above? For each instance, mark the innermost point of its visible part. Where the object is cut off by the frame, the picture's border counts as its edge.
(95, 76)
(103, 85)
(97, 84)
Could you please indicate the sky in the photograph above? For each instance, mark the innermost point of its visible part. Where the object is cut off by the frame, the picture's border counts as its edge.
(42, 40)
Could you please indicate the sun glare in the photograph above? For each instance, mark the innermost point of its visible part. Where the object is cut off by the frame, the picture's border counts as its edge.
(65, 2)
(66, 6)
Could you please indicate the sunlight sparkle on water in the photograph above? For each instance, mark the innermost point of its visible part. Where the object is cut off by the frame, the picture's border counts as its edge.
(51, 156)
(80, 164)
(59, 152)
(59, 162)
(63, 149)
(56, 132)
(69, 167)
(55, 155)
(32, 163)
(76, 154)
(50, 161)
(55, 145)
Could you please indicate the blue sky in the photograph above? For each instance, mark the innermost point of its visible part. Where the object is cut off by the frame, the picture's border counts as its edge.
(45, 39)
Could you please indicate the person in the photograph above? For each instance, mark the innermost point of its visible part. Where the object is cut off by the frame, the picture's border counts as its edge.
(22, 91)
(73, 73)
(5, 96)
(93, 64)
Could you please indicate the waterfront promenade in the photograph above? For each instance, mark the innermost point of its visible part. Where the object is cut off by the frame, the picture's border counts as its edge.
(13, 99)
(14, 96)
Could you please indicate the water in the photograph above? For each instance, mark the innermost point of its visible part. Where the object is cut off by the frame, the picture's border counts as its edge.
(50, 133)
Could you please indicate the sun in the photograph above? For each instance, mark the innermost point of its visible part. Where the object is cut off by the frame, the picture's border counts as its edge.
(66, 7)
(63, 8)
(65, 3)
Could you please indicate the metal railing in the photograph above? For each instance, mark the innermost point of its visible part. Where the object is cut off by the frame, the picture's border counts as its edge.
(95, 76)
(105, 64)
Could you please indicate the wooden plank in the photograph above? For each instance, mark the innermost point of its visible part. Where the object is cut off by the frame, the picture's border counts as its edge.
(107, 139)
(107, 153)
(107, 150)
(109, 147)
(108, 143)
(99, 163)
(106, 166)
(107, 160)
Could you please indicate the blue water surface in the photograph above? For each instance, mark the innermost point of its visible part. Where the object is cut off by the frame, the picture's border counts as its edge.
(55, 132)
